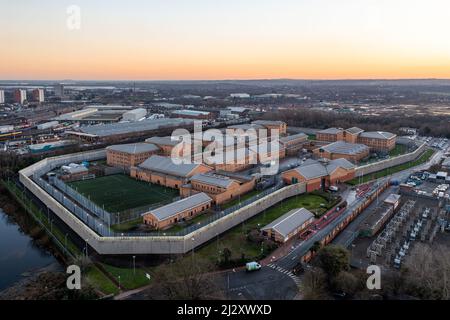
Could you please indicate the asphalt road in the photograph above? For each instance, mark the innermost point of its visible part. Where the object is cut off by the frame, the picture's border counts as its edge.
(265, 284)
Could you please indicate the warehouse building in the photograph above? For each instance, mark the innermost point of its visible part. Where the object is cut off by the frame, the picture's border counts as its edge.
(221, 188)
(128, 155)
(134, 115)
(320, 174)
(192, 114)
(353, 152)
(288, 225)
(184, 209)
(118, 131)
(162, 171)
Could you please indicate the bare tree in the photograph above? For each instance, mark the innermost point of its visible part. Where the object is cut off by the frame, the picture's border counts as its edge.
(428, 272)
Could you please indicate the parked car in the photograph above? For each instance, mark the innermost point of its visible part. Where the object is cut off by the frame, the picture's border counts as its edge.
(252, 266)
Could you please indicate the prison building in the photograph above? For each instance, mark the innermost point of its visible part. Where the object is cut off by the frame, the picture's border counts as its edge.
(167, 144)
(184, 209)
(272, 125)
(128, 155)
(378, 140)
(220, 187)
(266, 152)
(353, 152)
(350, 135)
(294, 143)
(288, 225)
(232, 160)
(163, 171)
(252, 131)
(330, 135)
(320, 174)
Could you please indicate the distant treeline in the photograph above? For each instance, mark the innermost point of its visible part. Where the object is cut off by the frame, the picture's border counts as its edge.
(437, 126)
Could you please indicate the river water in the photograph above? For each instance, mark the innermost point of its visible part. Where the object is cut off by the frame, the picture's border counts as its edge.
(19, 255)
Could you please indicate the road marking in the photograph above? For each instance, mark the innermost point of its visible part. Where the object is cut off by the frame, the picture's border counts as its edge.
(296, 279)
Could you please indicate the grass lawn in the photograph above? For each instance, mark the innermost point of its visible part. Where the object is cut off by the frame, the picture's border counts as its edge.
(311, 137)
(180, 226)
(97, 279)
(235, 239)
(128, 279)
(379, 174)
(126, 226)
(398, 150)
(120, 192)
(242, 198)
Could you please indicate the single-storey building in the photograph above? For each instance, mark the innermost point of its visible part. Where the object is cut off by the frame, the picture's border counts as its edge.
(163, 171)
(320, 174)
(184, 209)
(288, 225)
(221, 188)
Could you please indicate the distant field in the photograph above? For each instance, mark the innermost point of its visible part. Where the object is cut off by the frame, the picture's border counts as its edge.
(120, 192)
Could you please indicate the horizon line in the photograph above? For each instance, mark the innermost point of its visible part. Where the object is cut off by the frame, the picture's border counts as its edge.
(231, 79)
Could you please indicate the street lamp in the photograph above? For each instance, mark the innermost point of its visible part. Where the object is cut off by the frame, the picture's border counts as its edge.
(134, 265)
(86, 247)
(193, 248)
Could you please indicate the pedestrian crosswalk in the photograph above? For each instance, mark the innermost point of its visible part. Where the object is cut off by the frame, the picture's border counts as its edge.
(286, 272)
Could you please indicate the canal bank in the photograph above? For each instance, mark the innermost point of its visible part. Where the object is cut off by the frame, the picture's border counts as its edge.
(24, 248)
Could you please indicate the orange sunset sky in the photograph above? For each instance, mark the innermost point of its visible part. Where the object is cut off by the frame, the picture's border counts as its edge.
(212, 39)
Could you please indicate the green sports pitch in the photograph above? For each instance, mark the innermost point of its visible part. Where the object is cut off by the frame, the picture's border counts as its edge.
(120, 192)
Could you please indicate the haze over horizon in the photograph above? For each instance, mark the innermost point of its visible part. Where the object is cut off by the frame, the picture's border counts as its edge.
(232, 40)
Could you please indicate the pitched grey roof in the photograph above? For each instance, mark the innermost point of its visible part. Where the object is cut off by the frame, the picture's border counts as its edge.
(213, 179)
(300, 135)
(354, 130)
(133, 148)
(342, 147)
(290, 221)
(377, 135)
(311, 171)
(343, 163)
(124, 128)
(315, 169)
(163, 141)
(246, 126)
(174, 208)
(166, 166)
(330, 131)
(268, 122)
